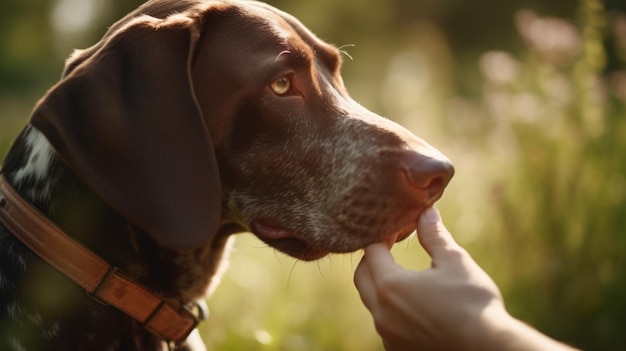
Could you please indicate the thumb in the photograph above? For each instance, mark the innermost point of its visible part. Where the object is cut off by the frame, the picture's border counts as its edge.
(433, 235)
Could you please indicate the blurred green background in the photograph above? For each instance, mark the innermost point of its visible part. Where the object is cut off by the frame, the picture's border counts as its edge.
(527, 97)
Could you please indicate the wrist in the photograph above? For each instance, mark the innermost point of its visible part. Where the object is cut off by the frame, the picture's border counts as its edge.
(493, 326)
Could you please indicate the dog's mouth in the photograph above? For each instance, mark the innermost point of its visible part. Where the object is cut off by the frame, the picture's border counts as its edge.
(288, 242)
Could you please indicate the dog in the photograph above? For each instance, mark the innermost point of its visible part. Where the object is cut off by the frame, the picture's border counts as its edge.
(190, 121)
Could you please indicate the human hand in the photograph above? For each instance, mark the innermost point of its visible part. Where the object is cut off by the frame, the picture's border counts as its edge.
(433, 309)
(454, 305)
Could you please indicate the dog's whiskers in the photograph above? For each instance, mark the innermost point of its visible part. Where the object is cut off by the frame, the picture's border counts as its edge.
(345, 52)
(293, 267)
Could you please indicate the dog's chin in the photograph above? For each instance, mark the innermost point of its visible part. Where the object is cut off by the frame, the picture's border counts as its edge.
(291, 244)
(296, 248)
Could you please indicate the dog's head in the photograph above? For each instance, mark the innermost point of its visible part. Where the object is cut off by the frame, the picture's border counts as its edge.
(193, 115)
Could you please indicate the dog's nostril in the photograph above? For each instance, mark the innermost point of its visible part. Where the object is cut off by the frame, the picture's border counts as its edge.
(436, 184)
(428, 175)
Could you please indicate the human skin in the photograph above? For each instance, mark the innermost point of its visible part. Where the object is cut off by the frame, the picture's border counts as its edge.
(454, 305)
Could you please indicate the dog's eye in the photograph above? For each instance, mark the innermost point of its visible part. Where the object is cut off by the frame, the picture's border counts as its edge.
(281, 86)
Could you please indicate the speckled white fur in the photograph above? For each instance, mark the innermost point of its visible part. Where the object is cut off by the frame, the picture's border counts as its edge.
(37, 168)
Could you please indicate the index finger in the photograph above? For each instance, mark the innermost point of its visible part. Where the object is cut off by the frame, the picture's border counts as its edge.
(379, 260)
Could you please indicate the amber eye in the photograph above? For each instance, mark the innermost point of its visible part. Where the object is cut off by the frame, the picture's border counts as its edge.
(281, 85)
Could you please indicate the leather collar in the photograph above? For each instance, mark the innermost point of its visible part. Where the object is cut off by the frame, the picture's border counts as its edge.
(170, 321)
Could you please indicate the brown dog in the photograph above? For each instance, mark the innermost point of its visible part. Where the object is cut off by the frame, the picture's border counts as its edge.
(189, 121)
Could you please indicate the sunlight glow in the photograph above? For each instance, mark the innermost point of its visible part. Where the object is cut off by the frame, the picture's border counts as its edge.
(73, 16)
(556, 39)
(263, 337)
(409, 77)
(499, 67)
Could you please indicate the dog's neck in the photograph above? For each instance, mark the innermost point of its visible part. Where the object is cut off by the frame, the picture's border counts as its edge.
(37, 173)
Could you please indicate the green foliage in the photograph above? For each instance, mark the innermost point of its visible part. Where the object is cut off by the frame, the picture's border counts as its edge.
(527, 97)
(563, 211)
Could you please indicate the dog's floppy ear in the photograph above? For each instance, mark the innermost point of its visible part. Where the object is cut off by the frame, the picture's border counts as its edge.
(127, 122)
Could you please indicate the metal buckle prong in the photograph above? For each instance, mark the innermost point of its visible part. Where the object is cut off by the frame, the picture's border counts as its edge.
(198, 310)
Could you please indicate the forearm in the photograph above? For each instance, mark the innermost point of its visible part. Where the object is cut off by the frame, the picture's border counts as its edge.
(502, 332)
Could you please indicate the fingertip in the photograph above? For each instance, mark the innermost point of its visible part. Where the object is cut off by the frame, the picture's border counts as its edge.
(429, 216)
(432, 233)
(430, 223)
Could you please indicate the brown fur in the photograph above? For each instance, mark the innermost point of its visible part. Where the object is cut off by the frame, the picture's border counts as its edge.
(166, 137)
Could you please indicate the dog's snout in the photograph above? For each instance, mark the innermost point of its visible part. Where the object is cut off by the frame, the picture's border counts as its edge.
(428, 176)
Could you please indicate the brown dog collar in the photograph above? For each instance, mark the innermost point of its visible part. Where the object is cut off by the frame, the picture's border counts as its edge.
(102, 281)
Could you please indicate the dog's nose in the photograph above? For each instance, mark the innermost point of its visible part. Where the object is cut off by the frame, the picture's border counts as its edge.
(428, 176)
